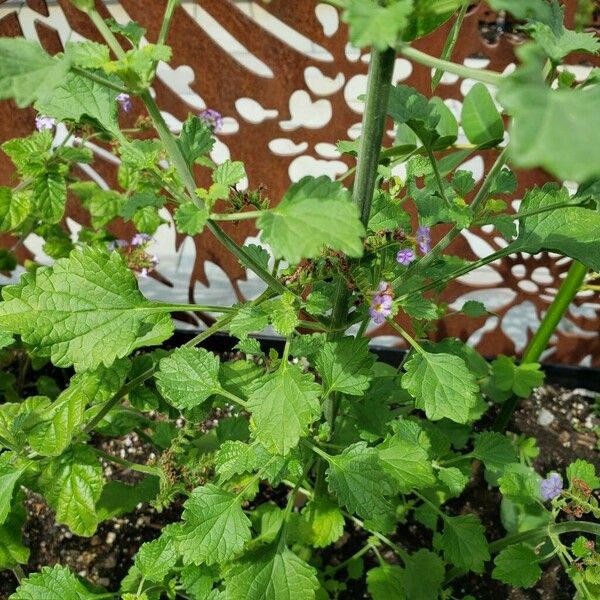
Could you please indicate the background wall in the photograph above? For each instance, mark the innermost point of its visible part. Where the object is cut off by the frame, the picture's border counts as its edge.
(287, 83)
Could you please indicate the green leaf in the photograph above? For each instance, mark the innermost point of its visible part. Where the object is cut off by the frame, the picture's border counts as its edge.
(345, 366)
(81, 100)
(283, 405)
(271, 573)
(405, 456)
(283, 314)
(53, 583)
(248, 319)
(12, 550)
(10, 472)
(84, 311)
(569, 231)
(585, 471)
(408, 106)
(447, 126)
(229, 173)
(545, 121)
(505, 182)
(454, 479)
(156, 558)
(314, 213)
(50, 196)
(72, 484)
(138, 201)
(214, 527)
(385, 582)
(190, 219)
(582, 547)
(54, 431)
(372, 24)
(517, 565)
(463, 542)
(474, 309)
(198, 582)
(419, 307)
(442, 385)
(357, 478)
(494, 449)
(14, 209)
(539, 10)
(118, 498)
(324, 522)
(424, 575)
(27, 73)
(195, 139)
(6, 339)
(132, 31)
(521, 484)
(188, 377)
(235, 457)
(480, 118)
(89, 55)
(147, 220)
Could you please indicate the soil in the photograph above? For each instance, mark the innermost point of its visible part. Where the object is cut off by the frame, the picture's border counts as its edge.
(563, 422)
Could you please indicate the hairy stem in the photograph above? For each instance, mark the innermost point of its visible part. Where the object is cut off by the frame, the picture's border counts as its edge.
(539, 342)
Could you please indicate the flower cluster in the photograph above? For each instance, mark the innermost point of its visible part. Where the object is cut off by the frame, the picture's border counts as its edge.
(43, 122)
(212, 118)
(382, 303)
(136, 253)
(124, 101)
(422, 238)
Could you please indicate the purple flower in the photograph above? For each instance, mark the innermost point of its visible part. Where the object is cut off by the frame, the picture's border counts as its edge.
(43, 122)
(139, 239)
(405, 256)
(212, 118)
(551, 486)
(423, 238)
(125, 101)
(381, 304)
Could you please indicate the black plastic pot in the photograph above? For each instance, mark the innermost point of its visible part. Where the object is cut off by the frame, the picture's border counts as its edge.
(568, 376)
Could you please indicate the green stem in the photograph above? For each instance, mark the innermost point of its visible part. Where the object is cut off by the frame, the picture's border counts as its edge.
(422, 58)
(449, 44)
(165, 307)
(539, 342)
(232, 397)
(251, 214)
(166, 24)
(101, 80)
(147, 469)
(413, 343)
(106, 33)
(438, 177)
(538, 211)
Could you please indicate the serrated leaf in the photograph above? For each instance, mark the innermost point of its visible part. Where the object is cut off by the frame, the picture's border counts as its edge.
(474, 309)
(229, 173)
(10, 472)
(72, 484)
(50, 196)
(84, 311)
(89, 55)
(585, 471)
(442, 385)
(283, 405)
(138, 201)
(6, 339)
(195, 139)
(358, 480)
(80, 99)
(388, 214)
(258, 254)
(424, 575)
(324, 522)
(283, 314)
(518, 379)
(454, 479)
(505, 182)
(12, 550)
(405, 456)
(521, 484)
(156, 558)
(14, 209)
(517, 565)
(480, 118)
(214, 527)
(190, 219)
(235, 457)
(372, 24)
(345, 366)
(463, 542)
(248, 319)
(570, 231)
(54, 431)
(188, 377)
(27, 73)
(385, 582)
(314, 213)
(494, 449)
(271, 573)
(419, 307)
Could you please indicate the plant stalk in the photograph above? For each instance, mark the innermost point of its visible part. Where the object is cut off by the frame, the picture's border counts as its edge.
(539, 342)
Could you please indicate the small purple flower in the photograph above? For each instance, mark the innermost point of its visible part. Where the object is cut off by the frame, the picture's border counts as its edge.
(139, 239)
(125, 101)
(551, 486)
(423, 238)
(43, 122)
(212, 118)
(405, 256)
(381, 304)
